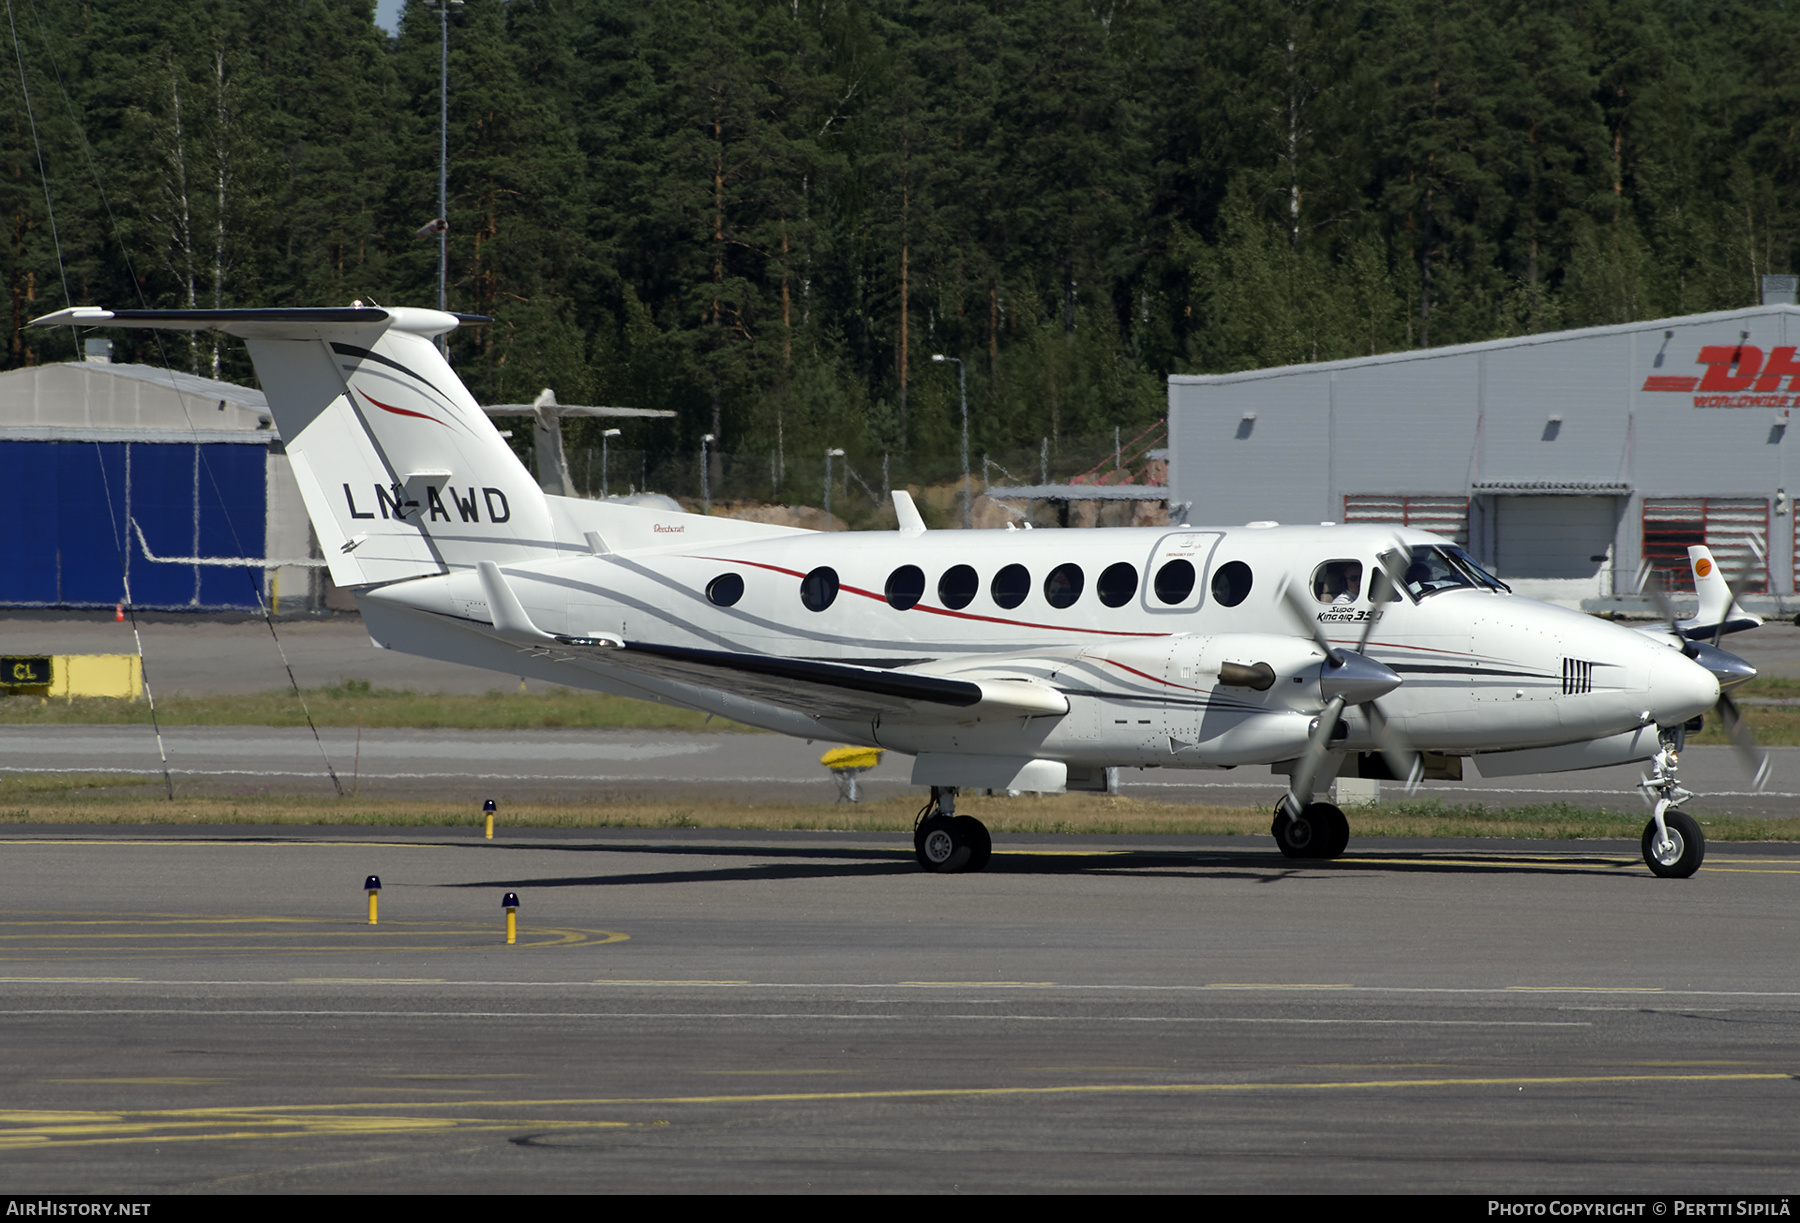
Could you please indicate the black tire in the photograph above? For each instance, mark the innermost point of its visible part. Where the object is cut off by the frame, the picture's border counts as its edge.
(941, 846)
(1333, 830)
(1689, 846)
(981, 845)
(1294, 837)
(1321, 832)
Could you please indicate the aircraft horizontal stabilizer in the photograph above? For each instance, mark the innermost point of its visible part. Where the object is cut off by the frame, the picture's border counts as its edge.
(301, 323)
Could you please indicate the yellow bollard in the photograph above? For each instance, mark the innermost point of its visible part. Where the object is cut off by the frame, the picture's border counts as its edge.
(510, 902)
(490, 808)
(372, 885)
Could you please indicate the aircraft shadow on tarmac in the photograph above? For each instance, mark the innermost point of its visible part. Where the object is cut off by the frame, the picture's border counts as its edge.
(860, 862)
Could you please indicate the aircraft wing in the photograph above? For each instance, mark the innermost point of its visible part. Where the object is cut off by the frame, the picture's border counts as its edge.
(831, 689)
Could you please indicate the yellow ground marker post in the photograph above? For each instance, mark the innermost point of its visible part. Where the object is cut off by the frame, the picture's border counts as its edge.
(846, 764)
(490, 807)
(372, 885)
(510, 902)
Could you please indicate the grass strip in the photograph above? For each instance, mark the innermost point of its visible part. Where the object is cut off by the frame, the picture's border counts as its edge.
(355, 702)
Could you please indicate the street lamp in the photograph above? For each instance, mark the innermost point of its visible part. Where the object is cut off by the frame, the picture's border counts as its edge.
(608, 433)
(443, 8)
(705, 482)
(829, 455)
(962, 379)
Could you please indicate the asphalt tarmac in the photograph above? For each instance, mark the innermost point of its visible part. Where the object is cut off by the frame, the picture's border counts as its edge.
(205, 1011)
(602, 765)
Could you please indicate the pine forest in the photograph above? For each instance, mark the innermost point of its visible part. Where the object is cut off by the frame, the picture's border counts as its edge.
(770, 216)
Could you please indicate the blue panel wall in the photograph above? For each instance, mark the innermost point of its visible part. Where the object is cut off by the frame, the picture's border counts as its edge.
(65, 508)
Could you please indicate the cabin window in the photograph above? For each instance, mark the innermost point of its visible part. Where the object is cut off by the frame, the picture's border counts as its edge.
(1230, 584)
(905, 587)
(1338, 582)
(725, 590)
(1010, 586)
(957, 588)
(1117, 584)
(818, 589)
(1175, 582)
(1063, 587)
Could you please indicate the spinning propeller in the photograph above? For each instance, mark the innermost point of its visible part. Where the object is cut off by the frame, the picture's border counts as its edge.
(1349, 677)
(1726, 667)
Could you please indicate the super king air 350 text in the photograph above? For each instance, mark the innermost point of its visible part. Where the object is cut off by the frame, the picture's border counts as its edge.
(1016, 660)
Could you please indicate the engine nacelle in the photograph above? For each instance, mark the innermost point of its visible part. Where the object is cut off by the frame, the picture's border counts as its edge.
(1206, 701)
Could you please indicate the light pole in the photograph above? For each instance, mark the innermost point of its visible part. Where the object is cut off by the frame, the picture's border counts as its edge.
(829, 455)
(962, 381)
(443, 8)
(608, 433)
(705, 481)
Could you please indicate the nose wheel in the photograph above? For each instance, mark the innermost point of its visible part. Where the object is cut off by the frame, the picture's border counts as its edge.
(1673, 844)
(946, 843)
(1319, 831)
(1676, 850)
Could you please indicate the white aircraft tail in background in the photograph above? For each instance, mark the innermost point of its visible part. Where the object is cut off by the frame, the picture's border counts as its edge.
(1718, 612)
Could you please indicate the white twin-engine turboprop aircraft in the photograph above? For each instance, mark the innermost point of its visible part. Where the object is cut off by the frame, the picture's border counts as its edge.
(1021, 660)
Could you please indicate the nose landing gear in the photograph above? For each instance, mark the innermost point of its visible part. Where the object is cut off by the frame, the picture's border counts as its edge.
(1673, 844)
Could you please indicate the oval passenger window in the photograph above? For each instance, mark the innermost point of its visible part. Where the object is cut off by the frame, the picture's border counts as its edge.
(905, 587)
(1231, 583)
(1117, 584)
(725, 590)
(1010, 586)
(1064, 585)
(957, 588)
(818, 589)
(1175, 582)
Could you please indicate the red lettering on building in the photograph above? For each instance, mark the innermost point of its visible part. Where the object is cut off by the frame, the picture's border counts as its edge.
(1719, 358)
(1781, 364)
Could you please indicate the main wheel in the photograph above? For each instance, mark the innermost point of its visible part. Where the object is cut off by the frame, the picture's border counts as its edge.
(1684, 852)
(1331, 833)
(1320, 832)
(1295, 836)
(941, 846)
(981, 845)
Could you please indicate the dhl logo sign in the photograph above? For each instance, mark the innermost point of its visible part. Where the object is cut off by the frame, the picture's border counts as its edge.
(1737, 376)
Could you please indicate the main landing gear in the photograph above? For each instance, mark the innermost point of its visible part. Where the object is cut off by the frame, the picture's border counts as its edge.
(946, 842)
(1319, 831)
(1673, 844)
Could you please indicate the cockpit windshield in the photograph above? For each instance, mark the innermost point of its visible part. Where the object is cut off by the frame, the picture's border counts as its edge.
(1430, 569)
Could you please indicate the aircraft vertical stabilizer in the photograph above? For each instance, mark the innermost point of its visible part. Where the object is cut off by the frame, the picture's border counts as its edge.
(402, 473)
(1718, 607)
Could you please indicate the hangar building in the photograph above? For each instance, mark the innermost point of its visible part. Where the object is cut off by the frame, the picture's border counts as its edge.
(1577, 464)
(92, 454)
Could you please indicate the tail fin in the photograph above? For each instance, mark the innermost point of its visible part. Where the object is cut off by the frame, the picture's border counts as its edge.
(402, 473)
(1718, 610)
